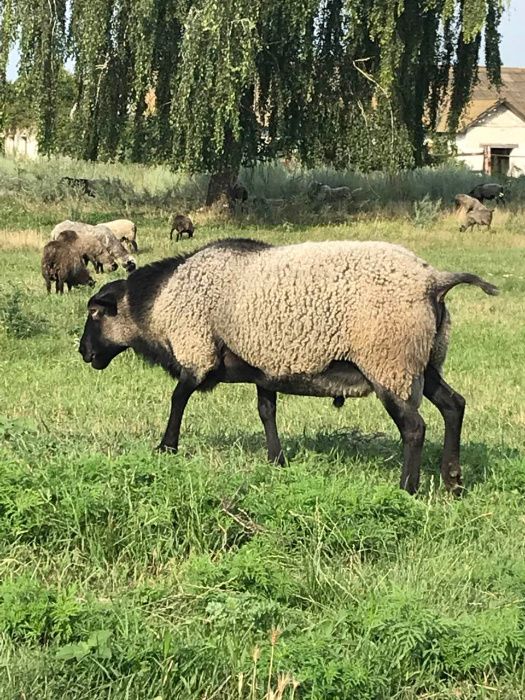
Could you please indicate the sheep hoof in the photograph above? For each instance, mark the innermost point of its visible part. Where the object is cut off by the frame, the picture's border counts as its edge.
(165, 449)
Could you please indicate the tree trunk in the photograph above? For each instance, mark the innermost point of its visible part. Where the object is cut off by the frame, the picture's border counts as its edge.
(219, 185)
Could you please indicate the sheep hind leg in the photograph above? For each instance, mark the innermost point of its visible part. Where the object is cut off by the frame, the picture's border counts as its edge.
(451, 405)
(411, 427)
(267, 407)
(180, 397)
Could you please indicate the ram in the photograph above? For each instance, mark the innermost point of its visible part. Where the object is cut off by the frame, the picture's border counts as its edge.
(335, 319)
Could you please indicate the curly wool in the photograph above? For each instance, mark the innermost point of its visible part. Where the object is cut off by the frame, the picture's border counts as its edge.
(292, 310)
(102, 233)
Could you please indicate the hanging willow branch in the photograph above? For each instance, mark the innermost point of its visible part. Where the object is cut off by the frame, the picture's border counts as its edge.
(210, 85)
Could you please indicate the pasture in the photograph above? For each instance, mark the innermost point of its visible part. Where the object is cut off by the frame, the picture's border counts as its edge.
(212, 574)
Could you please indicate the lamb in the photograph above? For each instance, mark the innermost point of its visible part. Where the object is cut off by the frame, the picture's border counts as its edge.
(489, 190)
(182, 224)
(317, 192)
(474, 212)
(237, 193)
(63, 264)
(104, 235)
(126, 231)
(90, 250)
(336, 319)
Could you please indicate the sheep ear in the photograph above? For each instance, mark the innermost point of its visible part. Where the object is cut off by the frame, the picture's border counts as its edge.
(103, 305)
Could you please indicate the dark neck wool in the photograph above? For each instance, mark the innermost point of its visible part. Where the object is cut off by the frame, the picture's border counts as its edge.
(157, 354)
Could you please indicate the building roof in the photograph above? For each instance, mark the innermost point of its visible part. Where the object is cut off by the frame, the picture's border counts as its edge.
(485, 98)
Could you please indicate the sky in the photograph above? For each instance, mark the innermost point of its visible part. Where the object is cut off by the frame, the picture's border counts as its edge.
(512, 45)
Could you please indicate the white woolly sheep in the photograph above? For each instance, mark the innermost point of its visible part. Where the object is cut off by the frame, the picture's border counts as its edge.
(104, 235)
(126, 231)
(336, 319)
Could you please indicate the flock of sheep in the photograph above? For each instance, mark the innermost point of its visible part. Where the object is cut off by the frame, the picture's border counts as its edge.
(337, 319)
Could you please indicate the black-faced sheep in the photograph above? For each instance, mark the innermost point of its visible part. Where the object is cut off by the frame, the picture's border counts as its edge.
(488, 191)
(126, 231)
(63, 265)
(182, 224)
(104, 235)
(336, 319)
(90, 250)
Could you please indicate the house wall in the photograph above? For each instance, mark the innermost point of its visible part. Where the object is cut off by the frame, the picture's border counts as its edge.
(21, 144)
(501, 128)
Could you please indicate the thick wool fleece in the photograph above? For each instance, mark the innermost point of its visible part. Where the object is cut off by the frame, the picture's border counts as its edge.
(122, 228)
(103, 233)
(292, 310)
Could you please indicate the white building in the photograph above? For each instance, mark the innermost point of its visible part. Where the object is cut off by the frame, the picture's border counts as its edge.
(491, 134)
(21, 143)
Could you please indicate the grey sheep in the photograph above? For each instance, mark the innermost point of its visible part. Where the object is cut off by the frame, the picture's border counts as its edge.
(126, 231)
(90, 250)
(473, 212)
(324, 194)
(336, 319)
(63, 265)
(104, 235)
(182, 224)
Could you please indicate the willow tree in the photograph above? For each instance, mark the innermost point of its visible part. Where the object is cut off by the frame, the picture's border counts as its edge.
(352, 83)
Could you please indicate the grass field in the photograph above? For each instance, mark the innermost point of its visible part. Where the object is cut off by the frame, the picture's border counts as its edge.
(212, 574)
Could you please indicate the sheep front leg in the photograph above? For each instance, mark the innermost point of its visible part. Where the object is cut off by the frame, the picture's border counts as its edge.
(267, 406)
(412, 429)
(184, 389)
(451, 405)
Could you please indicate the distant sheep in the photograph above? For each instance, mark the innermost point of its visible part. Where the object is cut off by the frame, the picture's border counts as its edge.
(104, 235)
(63, 265)
(324, 194)
(334, 319)
(126, 231)
(90, 250)
(79, 184)
(474, 213)
(182, 224)
(237, 194)
(490, 190)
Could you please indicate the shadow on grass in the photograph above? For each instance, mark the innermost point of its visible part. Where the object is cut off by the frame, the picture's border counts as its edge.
(378, 448)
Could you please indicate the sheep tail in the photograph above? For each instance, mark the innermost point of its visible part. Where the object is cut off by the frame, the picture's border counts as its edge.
(448, 280)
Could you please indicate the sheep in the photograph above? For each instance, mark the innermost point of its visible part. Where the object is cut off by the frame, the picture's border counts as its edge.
(317, 192)
(104, 235)
(62, 264)
(126, 231)
(336, 319)
(182, 224)
(237, 193)
(80, 184)
(90, 249)
(489, 190)
(474, 213)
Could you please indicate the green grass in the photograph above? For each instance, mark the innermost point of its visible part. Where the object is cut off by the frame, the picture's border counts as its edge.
(212, 574)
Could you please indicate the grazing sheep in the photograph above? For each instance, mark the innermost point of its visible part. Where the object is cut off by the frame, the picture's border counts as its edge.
(182, 224)
(236, 194)
(335, 319)
(126, 231)
(323, 194)
(474, 213)
(80, 184)
(104, 235)
(488, 191)
(62, 264)
(90, 250)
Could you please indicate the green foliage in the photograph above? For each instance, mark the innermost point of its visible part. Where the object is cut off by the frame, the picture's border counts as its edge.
(426, 211)
(341, 83)
(16, 320)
